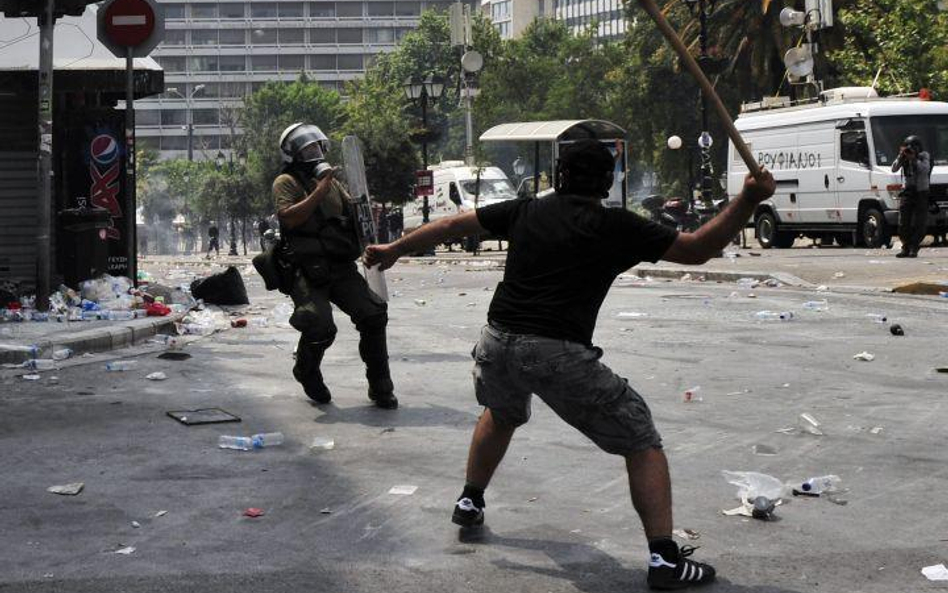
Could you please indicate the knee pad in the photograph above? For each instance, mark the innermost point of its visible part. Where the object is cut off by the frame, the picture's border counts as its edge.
(373, 324)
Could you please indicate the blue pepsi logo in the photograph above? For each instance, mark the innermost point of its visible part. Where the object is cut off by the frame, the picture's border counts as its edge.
(104, 149)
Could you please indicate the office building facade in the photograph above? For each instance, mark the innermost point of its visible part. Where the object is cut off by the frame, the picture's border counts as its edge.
(512, 17)
(234, 47)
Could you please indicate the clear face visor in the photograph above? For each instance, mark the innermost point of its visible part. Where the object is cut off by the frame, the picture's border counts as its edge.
(311, 153)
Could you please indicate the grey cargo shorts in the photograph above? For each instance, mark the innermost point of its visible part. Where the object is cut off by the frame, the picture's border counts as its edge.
(568, 377)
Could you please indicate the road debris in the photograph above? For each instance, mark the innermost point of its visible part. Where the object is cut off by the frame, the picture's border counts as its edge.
(156, 376)
(764, 450)
(864, 356)
(631, 315)
(67, 489)
(322, 444)
(403, 489)
(896, 330)
(125, 551)
(136, 524)
(161, 513)
(254, 512)
(936, 572)
(691, 395)
(687, 534)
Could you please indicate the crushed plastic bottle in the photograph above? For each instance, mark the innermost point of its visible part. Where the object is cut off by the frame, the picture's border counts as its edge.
(816, 305)
(257, 441)
(114, 315)
(62, 353)
(691, 395)
(808, 424)
(774, 315)
(120, 365)
(876, 317)
(819, 485)
(41, 364)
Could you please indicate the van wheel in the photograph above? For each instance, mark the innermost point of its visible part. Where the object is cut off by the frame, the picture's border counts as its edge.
(873, 231)
(767, 234)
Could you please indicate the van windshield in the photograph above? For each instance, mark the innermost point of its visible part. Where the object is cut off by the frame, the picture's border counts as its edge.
(889, 131)
(491, 189)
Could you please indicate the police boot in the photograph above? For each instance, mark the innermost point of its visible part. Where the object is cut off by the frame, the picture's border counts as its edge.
(309, 355)
(374, 352)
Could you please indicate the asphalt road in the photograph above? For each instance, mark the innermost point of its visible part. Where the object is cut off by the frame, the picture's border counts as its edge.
(558, 514)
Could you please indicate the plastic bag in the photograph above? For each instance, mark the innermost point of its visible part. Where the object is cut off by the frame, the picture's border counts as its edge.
(752, 485)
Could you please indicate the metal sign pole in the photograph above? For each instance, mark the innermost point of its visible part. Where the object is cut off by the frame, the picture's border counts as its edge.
(46, 22)
(130, 197)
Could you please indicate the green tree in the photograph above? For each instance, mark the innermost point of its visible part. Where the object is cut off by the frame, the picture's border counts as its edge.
(906, 39)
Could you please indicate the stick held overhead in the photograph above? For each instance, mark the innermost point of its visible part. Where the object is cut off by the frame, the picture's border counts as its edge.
(663, 25)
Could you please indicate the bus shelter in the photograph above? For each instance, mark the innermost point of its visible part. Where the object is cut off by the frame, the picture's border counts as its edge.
(560, 133)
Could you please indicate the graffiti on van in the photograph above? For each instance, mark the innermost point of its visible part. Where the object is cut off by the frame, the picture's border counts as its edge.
(790, 160)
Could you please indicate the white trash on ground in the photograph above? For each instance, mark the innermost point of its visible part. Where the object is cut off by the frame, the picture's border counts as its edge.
(864, 356)
(403, 489)
(936, 572)
(67, 489)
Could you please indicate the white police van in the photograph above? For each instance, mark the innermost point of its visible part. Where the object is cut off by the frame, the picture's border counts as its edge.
(832, 161)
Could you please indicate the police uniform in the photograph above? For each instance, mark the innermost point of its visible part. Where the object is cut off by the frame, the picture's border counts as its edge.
(324, 250)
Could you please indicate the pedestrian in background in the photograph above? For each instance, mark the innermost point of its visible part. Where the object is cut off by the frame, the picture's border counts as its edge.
(213, 234)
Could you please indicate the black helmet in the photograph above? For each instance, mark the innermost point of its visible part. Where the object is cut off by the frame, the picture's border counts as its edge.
(586, 165)
(913, 142)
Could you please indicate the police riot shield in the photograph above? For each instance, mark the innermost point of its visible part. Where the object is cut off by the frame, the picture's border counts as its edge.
(362, 206)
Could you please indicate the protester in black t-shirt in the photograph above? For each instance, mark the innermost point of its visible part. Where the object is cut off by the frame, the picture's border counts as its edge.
(565, 252)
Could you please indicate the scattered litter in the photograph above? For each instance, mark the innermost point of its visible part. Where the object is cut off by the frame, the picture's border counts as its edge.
(631, 315)
(774, 315)
(403, 490)
(839, 275)
(254, 512)
(741, 392)
(748, 282)
(686, 278)
(156, 376)
(772, 283)
(691, 395)
(116, 366)
(809, 424)
(136, 524)
(421, 302)
(125, 551)
(471, 305)
(937, 572)
(822, 305)
(822, 288)
(533, 499)
(764, 450)
(161, 513)
(876, 317)
(31, 377)
(896, 330)
(325, 511)
(941, 369)
(67, 489)
(759, 493)
(203, 416)
(689, 534)
(785, 386)
(225, 288)
(235, 323)
(865, 356)
(257, 441)
(174, 356)
(876, 429)
(818, 485)
(322, 444)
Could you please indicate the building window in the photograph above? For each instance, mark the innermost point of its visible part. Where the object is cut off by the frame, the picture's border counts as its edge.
(204, 37)
(174, 11)
(172, 63)
(174, 143)
(174, 117)
(379, 35)
(322, 10)
(349, 36)
(263, 37)
(259, 10)
(232, 10)
(174, 37)
(292, 63)
(329, 85)
(233, 37)
(322, 36)
(291, 37)
(407, 9)
(205, 117)
(323, 62)
(350, 62)
(503, 29)
(147, 117)
(291, 10)
(380, 8)
(264, 63)
(203, 64)
(349, 10)
(233, 64)
(204, 11)
(401, 32)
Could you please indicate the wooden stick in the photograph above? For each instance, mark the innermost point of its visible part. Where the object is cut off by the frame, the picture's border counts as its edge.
(652, 9)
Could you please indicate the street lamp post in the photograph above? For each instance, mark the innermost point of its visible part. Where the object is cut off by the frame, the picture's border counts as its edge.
(704, 8)
(190, 120)
(421, 91)
(221, 161)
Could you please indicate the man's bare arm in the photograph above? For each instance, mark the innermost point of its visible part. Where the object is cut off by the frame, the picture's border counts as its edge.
(424, 238)
(698, 247)
(297, 214)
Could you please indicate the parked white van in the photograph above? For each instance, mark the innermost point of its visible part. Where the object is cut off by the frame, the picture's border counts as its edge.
(455, 185)
(832, 161)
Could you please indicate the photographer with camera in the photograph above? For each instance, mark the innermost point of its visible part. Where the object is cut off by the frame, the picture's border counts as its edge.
(916, 168)
(316, 221)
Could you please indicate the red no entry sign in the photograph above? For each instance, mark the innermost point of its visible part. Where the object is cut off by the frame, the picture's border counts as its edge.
(136, 24)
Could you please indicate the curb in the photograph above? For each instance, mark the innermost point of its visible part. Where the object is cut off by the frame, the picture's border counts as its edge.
(99, 339)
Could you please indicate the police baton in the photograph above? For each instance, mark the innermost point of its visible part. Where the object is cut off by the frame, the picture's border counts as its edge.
(652, 9)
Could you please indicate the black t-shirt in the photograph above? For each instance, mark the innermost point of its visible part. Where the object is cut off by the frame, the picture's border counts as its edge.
(564, 253)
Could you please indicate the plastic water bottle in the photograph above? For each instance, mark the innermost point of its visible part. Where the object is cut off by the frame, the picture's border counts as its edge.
(820, 484)
(876, 317)
(62, 354)
(39, 316)
(41, 364)
(89, 315)
(120, 365)
(119, 315)
(257, 441)
(816, 305)
(774, 315)
(236, 443)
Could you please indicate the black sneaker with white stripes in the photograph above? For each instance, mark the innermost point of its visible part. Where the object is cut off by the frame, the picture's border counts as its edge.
(467, 514)
(678, 573)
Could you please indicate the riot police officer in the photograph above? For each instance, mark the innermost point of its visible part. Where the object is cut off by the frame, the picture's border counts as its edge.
(916, 168)
(321, 242)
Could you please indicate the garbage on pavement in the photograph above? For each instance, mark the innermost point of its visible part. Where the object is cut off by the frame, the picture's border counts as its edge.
(759, 493)
(254, 512)
(864, 356)
(896, 330)
(67, 489)
(204, 322)
(225, 288)
(257, 441)
(202, 416)
(692, 395)
(125, 551)
(116, 366)
(774, 315)
(687, 534)
(403, 489)
(936, 572)
(156, 376)
(817, 486)
(322, 444)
